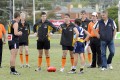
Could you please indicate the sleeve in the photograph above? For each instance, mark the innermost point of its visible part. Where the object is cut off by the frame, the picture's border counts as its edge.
(114, 25)
(28, 29)
(35, 27)
(3, 29)
(54, 29)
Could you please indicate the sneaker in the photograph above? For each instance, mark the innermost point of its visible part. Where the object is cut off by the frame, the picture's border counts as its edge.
(27, 66)
(81, 71)
(61, 69)
(22, 66)
(72, 71)
(103, 69)
(14, 73)
(38, 69)
(110, 67)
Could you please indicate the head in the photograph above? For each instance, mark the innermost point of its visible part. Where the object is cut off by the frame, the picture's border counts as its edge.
(104, 15)
(94, 16)
(67, 18)
(22, 16)
(17, 16)
(83, 14)
(43, 16)
(78, 22)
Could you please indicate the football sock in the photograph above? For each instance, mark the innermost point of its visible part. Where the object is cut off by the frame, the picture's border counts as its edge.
(39, 61)
(89, 57)
(63, 62)
(48, 61)
(12, 68)
(21, 58)
(72, 61)
(27, 58)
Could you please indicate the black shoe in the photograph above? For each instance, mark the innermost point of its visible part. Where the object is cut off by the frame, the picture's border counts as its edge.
(14, 73)
(91, 67)
(99, 66)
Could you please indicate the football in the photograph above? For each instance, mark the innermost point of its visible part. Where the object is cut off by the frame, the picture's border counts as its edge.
(51, 69)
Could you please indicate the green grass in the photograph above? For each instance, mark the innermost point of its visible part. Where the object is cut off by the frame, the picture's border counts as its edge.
(56, 53)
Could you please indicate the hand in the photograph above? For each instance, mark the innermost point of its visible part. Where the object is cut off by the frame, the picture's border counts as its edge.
(35, 34)
(20, 33)
(49, 34)
(4, 42)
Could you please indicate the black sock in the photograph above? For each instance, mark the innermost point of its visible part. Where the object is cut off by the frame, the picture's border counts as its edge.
(12, 68)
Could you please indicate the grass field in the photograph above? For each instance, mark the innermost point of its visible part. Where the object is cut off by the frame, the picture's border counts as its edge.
(56, 53)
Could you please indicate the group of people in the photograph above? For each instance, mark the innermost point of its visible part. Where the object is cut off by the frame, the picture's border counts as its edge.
(82, 36)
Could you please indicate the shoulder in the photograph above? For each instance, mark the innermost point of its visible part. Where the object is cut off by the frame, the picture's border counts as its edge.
(1, 25)
(73, 25)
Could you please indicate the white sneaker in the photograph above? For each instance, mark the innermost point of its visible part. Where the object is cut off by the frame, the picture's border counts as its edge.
(38, 69)
(61, 69)
(103, 69)
(22, 66)
(27, 66)
(110, 67)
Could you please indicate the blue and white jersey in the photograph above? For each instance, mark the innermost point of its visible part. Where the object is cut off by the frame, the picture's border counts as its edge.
(81, 32)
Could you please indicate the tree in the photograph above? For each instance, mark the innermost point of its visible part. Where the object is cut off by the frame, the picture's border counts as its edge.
(113, 13)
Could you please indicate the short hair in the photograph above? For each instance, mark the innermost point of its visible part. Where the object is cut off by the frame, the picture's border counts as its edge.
(105, 11)
(43, 13)
(78, 21)
(16, 14)
(67, 14)
(83, 11)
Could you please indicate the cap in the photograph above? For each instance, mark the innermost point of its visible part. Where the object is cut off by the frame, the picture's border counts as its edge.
(94, 14)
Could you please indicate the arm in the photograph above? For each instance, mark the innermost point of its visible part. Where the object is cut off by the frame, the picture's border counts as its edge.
(54, 29)
(28, 29)
(96, 26)
(16, 32)
(114, 29)
(4, 35)
(88, 35)
(77, 33)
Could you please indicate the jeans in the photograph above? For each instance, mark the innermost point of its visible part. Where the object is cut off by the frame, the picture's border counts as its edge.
(111, 48)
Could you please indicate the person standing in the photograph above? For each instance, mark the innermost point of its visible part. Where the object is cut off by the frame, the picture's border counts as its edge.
(43, 28)
(107, 30)
(94, 42)
(2, 34)
(13, 41)
(68, 29)
(23, 40)
(85, 22)
(79, 47)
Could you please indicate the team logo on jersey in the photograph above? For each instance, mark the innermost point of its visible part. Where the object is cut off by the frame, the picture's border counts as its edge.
(64, 28)
(109, 25)
(70, 30)
(45, 26)
(26, 28)
(85, 25)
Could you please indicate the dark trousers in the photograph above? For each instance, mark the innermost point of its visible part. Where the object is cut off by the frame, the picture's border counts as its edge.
(1, 46)
(96, 52)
